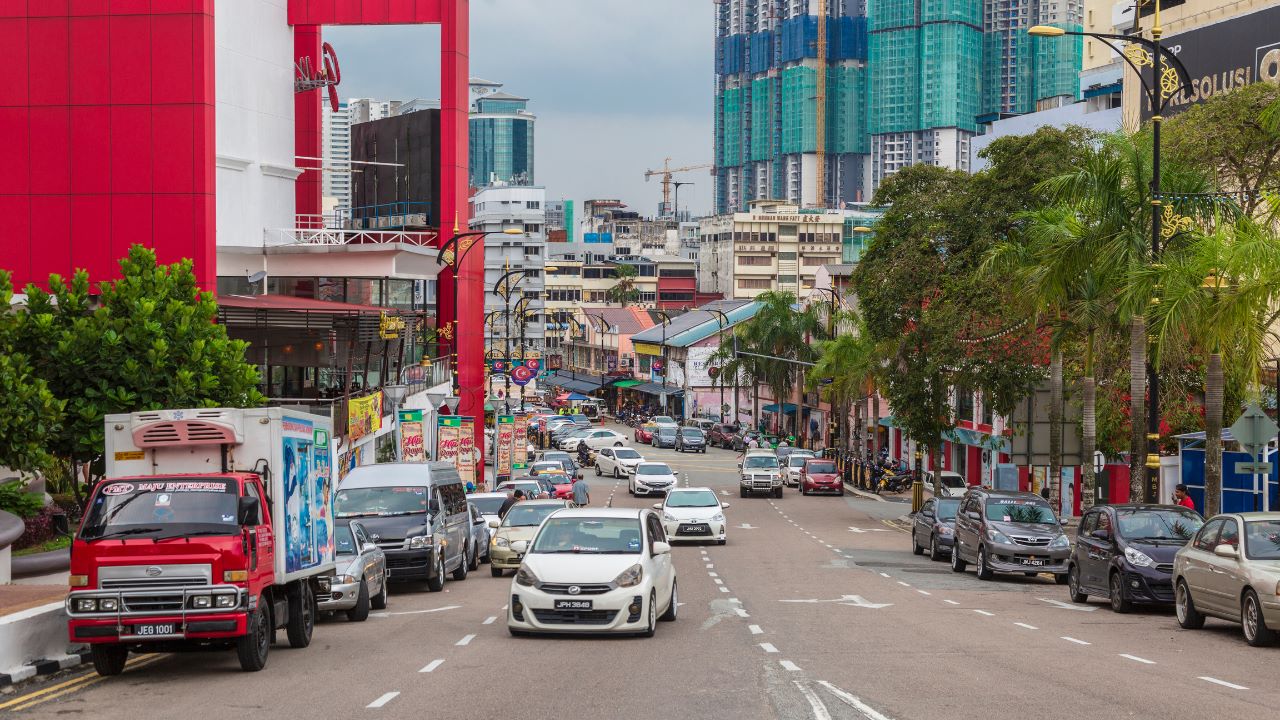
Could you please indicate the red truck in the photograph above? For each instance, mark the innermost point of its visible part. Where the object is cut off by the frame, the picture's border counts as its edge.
(212, 528)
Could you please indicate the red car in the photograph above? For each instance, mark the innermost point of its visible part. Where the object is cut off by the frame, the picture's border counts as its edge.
(563, 483)
(643, 435)
(819, 475)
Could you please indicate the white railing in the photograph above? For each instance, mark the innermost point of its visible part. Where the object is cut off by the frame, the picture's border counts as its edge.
(337, 236)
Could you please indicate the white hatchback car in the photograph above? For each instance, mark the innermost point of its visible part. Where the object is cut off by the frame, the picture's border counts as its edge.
(595, 570)
(795, 466)
(693, 514)
(595, 439)
(617, 462)
(651, 478)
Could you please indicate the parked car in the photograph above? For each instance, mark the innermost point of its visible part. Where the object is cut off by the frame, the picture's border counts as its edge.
(820, 475)
(721, 435)
(665, 436)
(952, 484)
(1217, 575)
(1125, 553)
(934, 527)
(651, 478)
(479, 536)
(703, 424)
(594, 439)
(361, 582)
(643, 434)
(691, 439)
(760, 472)
(560, 437)
(658, 420)
(617, 462)
(517, 528)
(1009, 532)
(625, 584)
(693, 514)
(793, 464)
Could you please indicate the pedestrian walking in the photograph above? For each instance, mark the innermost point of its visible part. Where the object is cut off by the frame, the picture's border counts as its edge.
(511, 500)
(581, 493)
(1180, 497)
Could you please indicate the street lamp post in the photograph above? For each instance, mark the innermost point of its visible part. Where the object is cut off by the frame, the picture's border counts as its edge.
(665, 319)
(1168, 78)
(452, 253)
(720, 326)
(604, 324)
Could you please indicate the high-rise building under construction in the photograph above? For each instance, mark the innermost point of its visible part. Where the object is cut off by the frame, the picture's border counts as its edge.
(904, 82)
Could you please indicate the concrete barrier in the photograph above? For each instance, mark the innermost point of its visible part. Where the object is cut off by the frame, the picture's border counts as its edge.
(45, 563)
(32, 635)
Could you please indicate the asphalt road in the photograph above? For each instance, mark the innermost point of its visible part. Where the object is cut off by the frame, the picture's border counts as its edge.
(815, 609)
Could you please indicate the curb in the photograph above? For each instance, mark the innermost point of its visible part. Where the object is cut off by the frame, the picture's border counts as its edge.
(863, 493)
(46, 666)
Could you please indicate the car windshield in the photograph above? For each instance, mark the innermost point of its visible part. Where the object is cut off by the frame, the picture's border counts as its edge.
(546, 467)
(821, 467)
(666, 431)
(362, 502)
(796, 460)
(527, 487)
(528, 515)
(760, 462)
(1171, 524)
(1019, 511)
(161, 506)
(952, 481)
(1262, 539)
(596, 536)
(692, 498)
(656, 469)
(580, 419)
(946, 509)
(579, 433)
(626, 454)
(487, 505)
(691, 432)
(663, 420)
(344, 541)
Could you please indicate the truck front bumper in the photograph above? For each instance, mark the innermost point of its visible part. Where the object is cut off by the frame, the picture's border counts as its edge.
(212, 626)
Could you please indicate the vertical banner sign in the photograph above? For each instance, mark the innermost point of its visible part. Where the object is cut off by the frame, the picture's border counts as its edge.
(448, 438)
(466, 462)
(505, 439)
(364, 415)
(520, 444)
(412, 439)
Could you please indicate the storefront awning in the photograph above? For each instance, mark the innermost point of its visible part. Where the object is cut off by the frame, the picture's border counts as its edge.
(656, 389)
(965, 436)
(773, 408)
(628, 383)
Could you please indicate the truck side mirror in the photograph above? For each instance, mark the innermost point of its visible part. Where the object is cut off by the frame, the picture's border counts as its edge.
(247, 510)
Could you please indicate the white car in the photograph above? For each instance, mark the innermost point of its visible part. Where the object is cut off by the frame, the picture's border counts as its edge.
(693, 514)
(573, 437)
(651, 478)
(488, 503)
(594, 570)
(953, 484)
(795, 465)
(617, 461)
(595, 439)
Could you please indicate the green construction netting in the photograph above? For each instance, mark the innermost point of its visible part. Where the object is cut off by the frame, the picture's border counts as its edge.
(799, 123)
(847, 110)
(951, 77)
(732, 133)
(762, 118)
(894, 92)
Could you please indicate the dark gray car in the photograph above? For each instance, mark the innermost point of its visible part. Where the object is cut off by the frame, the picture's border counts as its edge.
(1009, 532)
(934, 528)
(691, 439)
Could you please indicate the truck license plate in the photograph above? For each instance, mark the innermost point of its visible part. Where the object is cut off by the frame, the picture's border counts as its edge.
(162, 629)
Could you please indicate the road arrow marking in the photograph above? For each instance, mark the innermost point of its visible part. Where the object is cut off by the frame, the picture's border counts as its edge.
(419, 612)
(854, 702)
(850, 600)
(820, 711)
(1069, 606)
(861, 530)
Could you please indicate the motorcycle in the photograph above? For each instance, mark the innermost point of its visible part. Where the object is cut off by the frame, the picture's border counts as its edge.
(897, 483)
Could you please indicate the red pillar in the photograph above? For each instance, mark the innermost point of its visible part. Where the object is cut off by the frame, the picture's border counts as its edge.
(308, 130)
(453, 212)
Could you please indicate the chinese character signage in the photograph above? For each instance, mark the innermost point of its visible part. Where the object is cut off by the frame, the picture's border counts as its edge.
(364, 415)
(504, 442)
(520, 444)
(412, 440)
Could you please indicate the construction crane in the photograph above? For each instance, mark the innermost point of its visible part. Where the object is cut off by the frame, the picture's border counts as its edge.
(666, 172)
(820, 184)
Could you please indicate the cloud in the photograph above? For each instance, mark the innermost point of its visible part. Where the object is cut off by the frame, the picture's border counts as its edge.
(617, 85)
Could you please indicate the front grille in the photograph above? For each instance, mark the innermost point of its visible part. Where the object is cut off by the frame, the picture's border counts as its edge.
(575, 617)
(563, 588)
(1165, 567)
(152, 603)
(1030, 541)
(148, 582)
(1161, 590)
(405, 563)
(392, 545)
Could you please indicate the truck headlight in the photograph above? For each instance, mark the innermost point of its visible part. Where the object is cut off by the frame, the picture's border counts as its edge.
(225, 601)
(108, 604)
(78, 581)
(86, 605)
(419, 542)
(201, 601)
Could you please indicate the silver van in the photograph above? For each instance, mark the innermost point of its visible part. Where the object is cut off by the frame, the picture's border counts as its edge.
(1009, 532)
(417, 513)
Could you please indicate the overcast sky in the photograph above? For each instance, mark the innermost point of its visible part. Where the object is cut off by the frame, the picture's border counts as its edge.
(617, 85)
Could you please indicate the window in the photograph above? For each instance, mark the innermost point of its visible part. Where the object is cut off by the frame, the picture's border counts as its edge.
(1230, 534)
(786, 279)
(754, 283)
(754, 260)
(533, 205)
(787, 256)
(1104, 523)
(1088, 524)
(1208, 535)
(251, 489)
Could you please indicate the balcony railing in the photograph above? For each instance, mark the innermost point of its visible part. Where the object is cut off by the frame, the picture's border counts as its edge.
(279, 237)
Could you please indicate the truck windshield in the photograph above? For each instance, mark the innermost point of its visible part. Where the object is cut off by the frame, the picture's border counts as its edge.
(161, 506)
(374, 501)
(761, 462)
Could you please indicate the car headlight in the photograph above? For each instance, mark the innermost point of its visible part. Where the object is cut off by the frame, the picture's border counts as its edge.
(108, 604)
(525, 577)
(1137, 557)
(1061, 541)
(343, 579)
(996, 536)
(669, 517)
(630, 577)
(718, 517)
(86, 605)
(501, 542)
(944, 529)
(419, 542)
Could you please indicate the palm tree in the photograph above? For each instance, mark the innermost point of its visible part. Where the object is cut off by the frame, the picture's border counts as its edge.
(624, 291)
(782, 331)
(849, 362)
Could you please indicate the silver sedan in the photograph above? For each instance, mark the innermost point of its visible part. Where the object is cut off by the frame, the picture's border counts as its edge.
(361, 582)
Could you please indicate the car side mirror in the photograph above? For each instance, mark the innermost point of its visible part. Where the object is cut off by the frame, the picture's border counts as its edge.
(520, 546)
(928, 513)
(657, 506)
(1101, 534)
(493, 524)
(368, 547)
(433, 507)
(247, 510)
(724, 506)
(661, 548)
(1226, 551)
(973, 515)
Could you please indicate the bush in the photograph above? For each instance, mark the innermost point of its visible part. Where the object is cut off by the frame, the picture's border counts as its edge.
(14, 498)
(40, 528)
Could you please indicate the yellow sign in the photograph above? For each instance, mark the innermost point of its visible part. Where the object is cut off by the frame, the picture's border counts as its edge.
(130, 455)
(647, 348)
(364, 415)
(390, 326)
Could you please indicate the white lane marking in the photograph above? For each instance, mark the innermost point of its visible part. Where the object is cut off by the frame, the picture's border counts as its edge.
(904, 584)
(504, 607)
(736, 601)
(741, 612)
(710, 565)
(747, 526)
(819, 710)
(431, 666)
(465, 641)
(439, 609)
(884, 574)
(718, 581)
(711, 574)
(1223, 683)
(789, 666)
(1024, 625)
(850, 600)
(984, 612)
(951, 602)
(1135, 658)
(924, 592)
(489, 621)
(861, 530)
(386, 698)
(768, 647)
(1077, 641)
(1069, 606)
(724, 589)
(755, 629)
(854, 702)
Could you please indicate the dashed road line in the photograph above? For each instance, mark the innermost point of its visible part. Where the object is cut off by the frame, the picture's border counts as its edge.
(711, 574)
(1135, 658)
(789, 666)
(1077, 641)
(951, 602)
(724, 589)
(904, 584)
(984, 612)
(768, 647)
(465, 641)
(431, 666)
(489, 621)
(386, 698)
(1024, 625)
(755, 629)
(884, 574)
(924, 592)
(1223, 683)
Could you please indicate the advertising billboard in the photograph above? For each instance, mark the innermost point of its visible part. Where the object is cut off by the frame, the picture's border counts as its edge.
(504, 441)
(413, 447)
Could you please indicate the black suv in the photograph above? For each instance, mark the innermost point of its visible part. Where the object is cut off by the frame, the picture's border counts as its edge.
(1125, 553)
(1009, 532)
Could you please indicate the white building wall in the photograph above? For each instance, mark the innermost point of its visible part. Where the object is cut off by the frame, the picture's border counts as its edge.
(255, 125)
(497, 208)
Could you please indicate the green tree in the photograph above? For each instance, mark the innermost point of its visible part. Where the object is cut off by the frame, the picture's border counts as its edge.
(150, 342)
(30, 415)
(624, 292)
(848, 364)
(782, 331)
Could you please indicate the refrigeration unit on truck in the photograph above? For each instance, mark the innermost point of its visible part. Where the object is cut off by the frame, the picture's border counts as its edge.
(211, 529)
